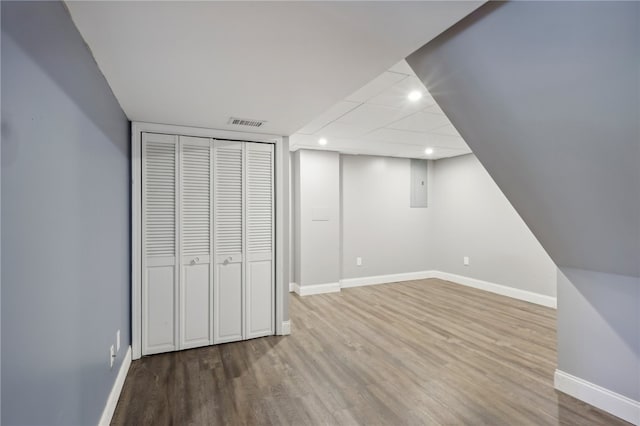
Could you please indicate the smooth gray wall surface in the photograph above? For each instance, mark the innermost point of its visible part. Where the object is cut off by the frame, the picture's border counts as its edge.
(286, 273)
(317, 197)
(378, 223)
(292, 225)
(295, 195)
(599, 329)
(547, 95)
(473, 218)
(65, 222)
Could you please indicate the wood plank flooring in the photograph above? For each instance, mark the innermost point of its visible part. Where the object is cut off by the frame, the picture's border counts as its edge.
(412, 353)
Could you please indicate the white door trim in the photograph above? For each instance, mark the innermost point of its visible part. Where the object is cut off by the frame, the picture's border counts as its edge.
(137, 128)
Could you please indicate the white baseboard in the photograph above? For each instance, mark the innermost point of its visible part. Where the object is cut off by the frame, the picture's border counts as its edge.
(112, 401)
(503, 290)
(292, 287)
(384, 279)
(609, 401)
(308, 290)
(527, 296)
(286, 328)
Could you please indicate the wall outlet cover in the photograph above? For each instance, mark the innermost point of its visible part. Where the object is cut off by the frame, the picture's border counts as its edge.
(465, 260)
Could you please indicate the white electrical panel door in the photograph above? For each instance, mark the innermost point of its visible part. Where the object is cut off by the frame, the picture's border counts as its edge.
(196, 278)
(229, 223)
(259, 265)
(159, 243)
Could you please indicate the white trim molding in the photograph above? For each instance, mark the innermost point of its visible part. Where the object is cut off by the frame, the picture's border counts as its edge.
(286, 328)
(515, 293)
(385, 279)
(114, 395)
(292, 287)
(602, 398)
(308, 290)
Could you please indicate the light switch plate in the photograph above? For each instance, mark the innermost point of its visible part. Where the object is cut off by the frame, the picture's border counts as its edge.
(112, 356)
(118, 341)
(358, 261)
(465, 260)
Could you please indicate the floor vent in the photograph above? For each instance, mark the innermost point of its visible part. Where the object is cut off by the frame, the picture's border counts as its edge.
(246, 122)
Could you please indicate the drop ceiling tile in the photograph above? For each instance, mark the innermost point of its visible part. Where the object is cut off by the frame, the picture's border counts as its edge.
(435, 109)
(418, 152)
(402, 67)
(372, 116)
(379, 84)
(388, 124)
(420, 122)
(396, 96)
(447, 129)
(446, 141)
(400, 136)
(328, 116)
(342, 130)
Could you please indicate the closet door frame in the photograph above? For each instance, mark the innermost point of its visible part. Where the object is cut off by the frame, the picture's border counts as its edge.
(281, 169)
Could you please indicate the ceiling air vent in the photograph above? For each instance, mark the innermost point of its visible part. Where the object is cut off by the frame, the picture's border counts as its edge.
(246, 122)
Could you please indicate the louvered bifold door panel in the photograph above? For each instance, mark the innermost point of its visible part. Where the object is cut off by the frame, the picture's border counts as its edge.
(259, 295)
(159, 243)
(196, 283)
(228, 240)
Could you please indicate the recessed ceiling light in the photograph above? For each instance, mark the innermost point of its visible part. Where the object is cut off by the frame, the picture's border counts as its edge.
(322, 141)
(428, 151)
(415, 95)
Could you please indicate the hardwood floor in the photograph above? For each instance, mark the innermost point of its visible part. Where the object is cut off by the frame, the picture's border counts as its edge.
(411, 353)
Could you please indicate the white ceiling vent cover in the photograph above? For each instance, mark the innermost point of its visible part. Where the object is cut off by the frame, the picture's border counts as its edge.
(245, 122)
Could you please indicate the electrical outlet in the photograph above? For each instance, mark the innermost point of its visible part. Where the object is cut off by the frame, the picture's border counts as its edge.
(117, 341)
(112, 356)
(358, 261)
(465, 260)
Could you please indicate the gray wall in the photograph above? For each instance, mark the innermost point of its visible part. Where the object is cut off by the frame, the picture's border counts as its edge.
(295, 196)
(599, 329)
(317, 241)
(292, 220)
(547, 95)
(65, 222)
(287, 239)
(473, 218)
(467, 216)
(377, 221)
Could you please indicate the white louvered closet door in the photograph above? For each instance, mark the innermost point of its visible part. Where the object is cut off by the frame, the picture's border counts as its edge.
(207, 241)
(196, 277)
(228, 241)
(259, 196)
(159, 243)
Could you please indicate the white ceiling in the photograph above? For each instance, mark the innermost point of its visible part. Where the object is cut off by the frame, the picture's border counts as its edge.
(200, 63)
(379, 119)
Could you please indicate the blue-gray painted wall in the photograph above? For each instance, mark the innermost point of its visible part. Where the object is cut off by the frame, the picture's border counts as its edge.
(547, 95)
(65, 221)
